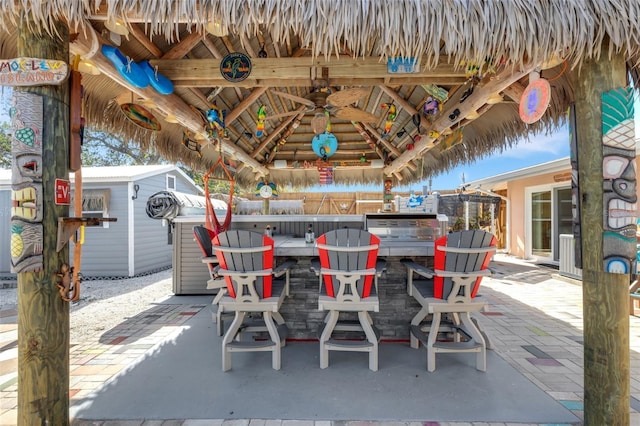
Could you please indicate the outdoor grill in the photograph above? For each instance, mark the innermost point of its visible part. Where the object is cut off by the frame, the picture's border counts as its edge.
(406, 227)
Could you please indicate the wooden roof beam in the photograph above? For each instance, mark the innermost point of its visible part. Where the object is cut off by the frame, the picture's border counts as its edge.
(142, 38)
(298, 165)
(305, 81)
(514, 92)
(298, 71)
(166, 103)
(246, 103)
(301, 110)
(476, 100)
(392, 148)
(185, 46)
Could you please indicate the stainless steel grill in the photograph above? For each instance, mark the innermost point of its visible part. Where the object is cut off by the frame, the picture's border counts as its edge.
(406, 227)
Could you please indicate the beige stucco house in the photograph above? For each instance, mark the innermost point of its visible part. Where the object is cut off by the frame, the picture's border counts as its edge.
(537, 211)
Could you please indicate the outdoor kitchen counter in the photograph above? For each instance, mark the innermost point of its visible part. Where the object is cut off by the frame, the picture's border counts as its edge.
(290, 246)
(300, 309)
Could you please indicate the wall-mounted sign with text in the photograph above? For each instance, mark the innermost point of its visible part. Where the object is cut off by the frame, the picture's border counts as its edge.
(32, 72)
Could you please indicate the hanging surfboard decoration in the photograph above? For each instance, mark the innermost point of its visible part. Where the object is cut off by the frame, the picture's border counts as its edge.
(535, 101)
(140, 116)
(324, 145)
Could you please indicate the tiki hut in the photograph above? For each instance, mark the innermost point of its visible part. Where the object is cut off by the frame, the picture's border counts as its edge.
(290, 92)
(326, 61)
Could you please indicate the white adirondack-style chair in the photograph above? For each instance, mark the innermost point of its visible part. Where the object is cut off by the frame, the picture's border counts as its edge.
(348, 260)
(246, 262)
(448, 294)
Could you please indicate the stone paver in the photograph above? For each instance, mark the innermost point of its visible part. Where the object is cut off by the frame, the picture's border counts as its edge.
(533, 329)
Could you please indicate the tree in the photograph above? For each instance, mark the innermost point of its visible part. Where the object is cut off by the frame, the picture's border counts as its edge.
(5, 146)
(104, 149)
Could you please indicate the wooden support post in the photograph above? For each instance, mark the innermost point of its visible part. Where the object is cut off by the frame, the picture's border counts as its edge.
(43, 317)
(605, 295)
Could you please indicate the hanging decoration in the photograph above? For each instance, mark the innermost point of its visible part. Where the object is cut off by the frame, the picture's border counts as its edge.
(478, 70)
(128, 69)
(159, 82)
(326, 175)
(535, 101)
(235, 67)
(387, 196)
(431, 106)
(191, 144)
(448, 142)
(262, 114)
(391, 117)
(266, 190)
(32, 72)
(213, 120)
(438, 93)
(211, 220)
(140, 116)
(324, 145)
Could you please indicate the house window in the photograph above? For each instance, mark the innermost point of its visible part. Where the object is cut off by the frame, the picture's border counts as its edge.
(171, 183)
(95, 203)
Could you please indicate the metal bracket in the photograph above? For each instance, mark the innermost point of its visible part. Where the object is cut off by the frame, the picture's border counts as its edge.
(67, 226)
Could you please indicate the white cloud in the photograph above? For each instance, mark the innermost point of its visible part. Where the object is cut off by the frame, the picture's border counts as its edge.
(551, 144)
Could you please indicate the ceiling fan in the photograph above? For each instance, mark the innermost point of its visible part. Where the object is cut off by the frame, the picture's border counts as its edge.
(325, 103)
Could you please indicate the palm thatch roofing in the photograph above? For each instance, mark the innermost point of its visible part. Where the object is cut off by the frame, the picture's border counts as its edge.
(321, 53)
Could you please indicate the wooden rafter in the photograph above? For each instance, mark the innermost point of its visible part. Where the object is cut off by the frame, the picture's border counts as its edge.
(82, 46)
(477, 99)
(297, 71)
(276, 132)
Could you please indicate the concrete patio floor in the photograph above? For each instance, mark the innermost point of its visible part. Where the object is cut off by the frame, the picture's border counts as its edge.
(163, 366)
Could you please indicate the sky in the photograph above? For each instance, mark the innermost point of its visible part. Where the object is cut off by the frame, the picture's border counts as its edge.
(529, 151)
(526, 152)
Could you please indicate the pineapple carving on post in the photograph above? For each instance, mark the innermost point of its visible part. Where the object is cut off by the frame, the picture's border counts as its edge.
(25, 114)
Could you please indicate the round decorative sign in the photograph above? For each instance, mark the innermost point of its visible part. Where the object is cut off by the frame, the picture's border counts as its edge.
(535, 101)
(324, 145)
(235, 67)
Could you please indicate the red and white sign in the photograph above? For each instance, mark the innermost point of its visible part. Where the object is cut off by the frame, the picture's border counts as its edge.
(63, 192)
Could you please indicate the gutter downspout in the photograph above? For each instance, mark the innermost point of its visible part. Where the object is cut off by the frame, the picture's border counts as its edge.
(130, 230)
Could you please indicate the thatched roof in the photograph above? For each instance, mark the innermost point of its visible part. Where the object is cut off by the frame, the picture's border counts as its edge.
(320, 48)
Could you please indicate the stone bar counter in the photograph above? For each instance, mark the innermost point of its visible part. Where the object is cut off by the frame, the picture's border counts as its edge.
(300, 309)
